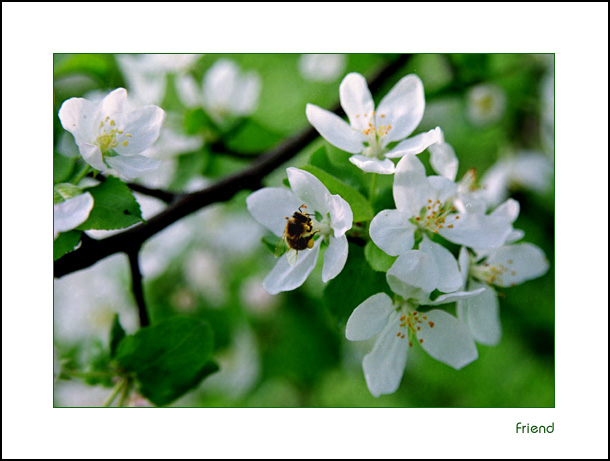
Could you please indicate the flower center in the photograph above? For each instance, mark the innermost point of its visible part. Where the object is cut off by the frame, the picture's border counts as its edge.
(433, 215)
(109, 136)
(412, 322)
(321, 224)
(491, 273)
(375, 146)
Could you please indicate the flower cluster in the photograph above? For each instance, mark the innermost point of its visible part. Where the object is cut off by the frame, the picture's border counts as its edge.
(432, 214)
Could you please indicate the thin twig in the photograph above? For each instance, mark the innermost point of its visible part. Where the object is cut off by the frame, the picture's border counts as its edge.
(136, 281)
(249, 178)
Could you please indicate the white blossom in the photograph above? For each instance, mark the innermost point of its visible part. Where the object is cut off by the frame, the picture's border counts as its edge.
(225, 92)
(370, 130)
(331, 217)
(505, 267)
(322, 67)
(400, 323)
(486, 103)
(429, 204)
(108, 135)
(525, 170)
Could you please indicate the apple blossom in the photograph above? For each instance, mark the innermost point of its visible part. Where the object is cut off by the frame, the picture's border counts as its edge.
(146, 74)
(370, 131)
(331, 217)
(399, 323)
(486, 104)
(321, 67)
(427, 204)
(226, 92)
(529, 170)
(507, 266)
(110, 136)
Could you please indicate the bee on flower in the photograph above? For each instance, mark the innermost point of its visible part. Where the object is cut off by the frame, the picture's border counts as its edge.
(328, 217)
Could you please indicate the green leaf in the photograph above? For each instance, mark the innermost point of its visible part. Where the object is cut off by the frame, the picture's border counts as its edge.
(252, 137)
(196, 121)
(168, 359)
(97, 364)
(114, 206)
(189, 165)
(360, 206)
(65, 243)
(356, 282)
(62, 167)
(340, 167)
(64, 191)
(270, 241)
(378, 259)
(117, 333)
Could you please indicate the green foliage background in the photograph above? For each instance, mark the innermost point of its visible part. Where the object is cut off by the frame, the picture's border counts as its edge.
(297, 352)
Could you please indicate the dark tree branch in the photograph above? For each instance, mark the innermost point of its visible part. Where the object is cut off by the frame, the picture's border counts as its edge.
(219, 147)
(166, 196)
(136, 281)
(250, 178)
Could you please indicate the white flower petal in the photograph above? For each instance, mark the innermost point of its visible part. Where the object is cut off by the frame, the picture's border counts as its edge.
(453, 297)
(411, 187)
(521, 262)
(495, 183)
(356, 100)
(341, 215)
(403, 108)
(75, 116)
(113, 103)
(481, 313)
(448, 273)
(133, 166)
(385, 364)
(413, 276)
(219, 83)
(322, 67)
(509, 210)
(514, 236)
(464, 263)
(443, 160)
(334, 258)
(72, 213)
(448, 341)
(443, 187)
(373, 165)
(309, 189)
(417, 144)
(369, 318)
(476, 230)
(392, 231)
(92, 155)
(284, 277)
(245, 100)
(188, 91)
(143, 125)
(335, 130)
(271, 206)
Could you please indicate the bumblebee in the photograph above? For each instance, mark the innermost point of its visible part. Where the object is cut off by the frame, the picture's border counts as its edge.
(298, 235)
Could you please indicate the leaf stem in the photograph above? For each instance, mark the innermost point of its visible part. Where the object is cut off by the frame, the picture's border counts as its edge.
(81, 175)
(372, 190)
(125, 393)
(115, 392)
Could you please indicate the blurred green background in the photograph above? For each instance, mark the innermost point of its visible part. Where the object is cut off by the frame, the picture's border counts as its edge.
(289, 350)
